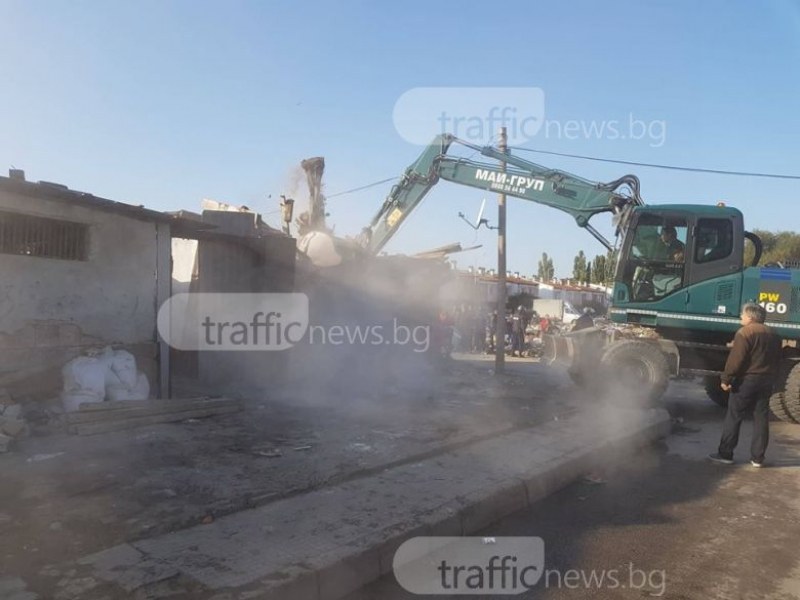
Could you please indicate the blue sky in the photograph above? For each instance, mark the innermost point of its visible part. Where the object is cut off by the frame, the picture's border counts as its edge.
(165, 103)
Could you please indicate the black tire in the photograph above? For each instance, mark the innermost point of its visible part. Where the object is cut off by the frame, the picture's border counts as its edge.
(634, 370)
(778, 408)
(588, 350)
(578, 378)
(714, 392)
(790, 399)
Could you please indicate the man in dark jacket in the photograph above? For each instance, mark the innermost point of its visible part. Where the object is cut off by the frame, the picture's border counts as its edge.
(749, 375)
(518, 324)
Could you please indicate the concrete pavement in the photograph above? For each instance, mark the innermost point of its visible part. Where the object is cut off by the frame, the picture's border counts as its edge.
(329, 542)
(666, 522)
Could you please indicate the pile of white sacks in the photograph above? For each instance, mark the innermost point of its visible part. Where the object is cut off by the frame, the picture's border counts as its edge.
(106, 375)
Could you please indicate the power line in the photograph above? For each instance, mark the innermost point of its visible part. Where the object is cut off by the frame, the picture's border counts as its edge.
(605, 160)
(382, 181)
(657, 166)
(363, 187)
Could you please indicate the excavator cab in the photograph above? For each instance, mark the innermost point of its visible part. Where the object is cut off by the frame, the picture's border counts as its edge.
(679, 259)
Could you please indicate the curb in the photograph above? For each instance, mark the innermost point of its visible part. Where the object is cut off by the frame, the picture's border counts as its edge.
(348, 574)
(329, 543)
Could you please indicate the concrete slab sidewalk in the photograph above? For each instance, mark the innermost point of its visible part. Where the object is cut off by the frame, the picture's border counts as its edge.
(329, 542)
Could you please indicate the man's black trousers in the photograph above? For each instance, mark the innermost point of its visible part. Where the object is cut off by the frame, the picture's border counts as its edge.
(751, 394)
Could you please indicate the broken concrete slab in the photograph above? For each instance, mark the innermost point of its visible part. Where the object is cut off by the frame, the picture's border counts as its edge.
(127, 567)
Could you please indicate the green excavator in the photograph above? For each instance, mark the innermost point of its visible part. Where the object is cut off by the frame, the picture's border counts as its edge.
(680, 275)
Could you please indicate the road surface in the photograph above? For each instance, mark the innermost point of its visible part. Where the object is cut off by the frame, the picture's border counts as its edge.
(667, 523)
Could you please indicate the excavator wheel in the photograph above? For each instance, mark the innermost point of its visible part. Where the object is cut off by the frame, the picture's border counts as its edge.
(634, 370)
(579, 378)
(776, 405)
(714, 392)
(786, 405)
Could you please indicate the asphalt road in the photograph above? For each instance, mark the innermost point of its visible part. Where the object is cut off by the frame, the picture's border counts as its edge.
(665, 522)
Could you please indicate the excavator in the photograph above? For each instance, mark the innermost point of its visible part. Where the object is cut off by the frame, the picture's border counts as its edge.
(680, 274)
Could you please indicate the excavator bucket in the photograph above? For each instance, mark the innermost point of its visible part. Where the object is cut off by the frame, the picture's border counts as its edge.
(558, 348)
(580, 351)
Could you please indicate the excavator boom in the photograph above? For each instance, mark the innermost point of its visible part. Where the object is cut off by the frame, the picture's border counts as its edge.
(580, 198)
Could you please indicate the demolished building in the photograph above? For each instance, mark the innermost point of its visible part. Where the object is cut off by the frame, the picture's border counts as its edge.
(82, 272)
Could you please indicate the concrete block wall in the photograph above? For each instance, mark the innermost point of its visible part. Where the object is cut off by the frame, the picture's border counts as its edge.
(52, 310)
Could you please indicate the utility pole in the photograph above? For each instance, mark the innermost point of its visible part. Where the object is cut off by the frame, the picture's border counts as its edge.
(500, 330)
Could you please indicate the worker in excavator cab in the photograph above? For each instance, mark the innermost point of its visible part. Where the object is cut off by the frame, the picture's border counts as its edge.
(671, 248)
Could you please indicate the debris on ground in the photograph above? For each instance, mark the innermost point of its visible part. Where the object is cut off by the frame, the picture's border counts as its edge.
(268, 453)
(360, 447)
(41, 457)
(103, 417)
(626, 330)
(12, 423)
(593, 479)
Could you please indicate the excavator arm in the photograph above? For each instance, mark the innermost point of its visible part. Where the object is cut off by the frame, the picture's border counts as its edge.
(580, 198)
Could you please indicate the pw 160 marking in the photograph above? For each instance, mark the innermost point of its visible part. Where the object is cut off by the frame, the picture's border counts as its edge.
(771, 303)
(510, 183)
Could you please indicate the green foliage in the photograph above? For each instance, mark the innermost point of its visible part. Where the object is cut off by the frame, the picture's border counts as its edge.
(611, 265)
(599, 269)
(778, 247)
(579, 267)
(546, 270)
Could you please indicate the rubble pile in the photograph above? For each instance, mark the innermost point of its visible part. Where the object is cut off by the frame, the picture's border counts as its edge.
(626, 331)
(12, 423)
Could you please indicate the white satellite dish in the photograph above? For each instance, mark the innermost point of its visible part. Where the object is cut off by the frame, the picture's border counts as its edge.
(479, 219)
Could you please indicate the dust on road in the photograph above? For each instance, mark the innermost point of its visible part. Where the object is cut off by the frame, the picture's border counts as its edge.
(667, 523)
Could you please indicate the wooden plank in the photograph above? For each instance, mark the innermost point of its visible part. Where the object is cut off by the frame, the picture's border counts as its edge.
(116, 404)
(132, 423)
(155, 408)
(165, 408)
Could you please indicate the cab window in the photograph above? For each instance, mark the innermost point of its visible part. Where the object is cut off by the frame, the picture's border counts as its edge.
(714, 240)
(655, 264)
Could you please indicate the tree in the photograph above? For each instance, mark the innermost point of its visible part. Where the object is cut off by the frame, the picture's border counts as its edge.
(546, 270)
(611, 265)
(599, 269)
(579, 267)
(778, 247)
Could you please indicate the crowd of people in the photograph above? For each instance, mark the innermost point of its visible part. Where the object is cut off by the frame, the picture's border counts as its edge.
(472, 329)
